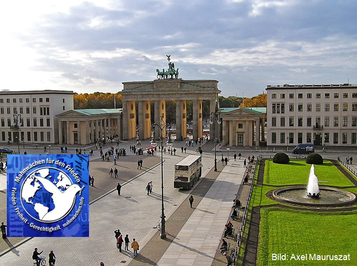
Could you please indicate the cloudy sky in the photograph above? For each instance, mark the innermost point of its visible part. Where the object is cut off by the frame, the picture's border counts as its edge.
(95, 45)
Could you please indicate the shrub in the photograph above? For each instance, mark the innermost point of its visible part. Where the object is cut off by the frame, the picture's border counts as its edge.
(281, 157)
(314, 158)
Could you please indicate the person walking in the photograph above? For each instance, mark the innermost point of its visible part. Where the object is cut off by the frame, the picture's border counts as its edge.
(111, 172)
(119, 242)
(191, 200)
(3, 230)
(119, 188)
(229, 259)
(52, 258)
(151, 186)
(148, 189)
(135, 247)
(117, 233)
(127, 241)
(116, 172)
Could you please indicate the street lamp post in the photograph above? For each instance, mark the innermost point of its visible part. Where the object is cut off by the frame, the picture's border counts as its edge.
(162, 126)
(215, 118)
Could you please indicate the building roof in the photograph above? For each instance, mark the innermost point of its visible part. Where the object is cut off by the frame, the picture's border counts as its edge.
(29, 92)
(257, 110)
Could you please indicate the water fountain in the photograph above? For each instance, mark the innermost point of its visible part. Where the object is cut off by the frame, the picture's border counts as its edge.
(313, 189)
(313, 195)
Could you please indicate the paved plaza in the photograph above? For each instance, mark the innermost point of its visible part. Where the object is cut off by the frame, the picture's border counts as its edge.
(193, 235)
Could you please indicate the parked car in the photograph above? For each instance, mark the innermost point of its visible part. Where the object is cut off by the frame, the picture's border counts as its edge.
(304, 148)
(6, 150)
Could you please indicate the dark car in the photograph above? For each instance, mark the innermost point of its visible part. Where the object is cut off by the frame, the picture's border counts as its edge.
(5, 150)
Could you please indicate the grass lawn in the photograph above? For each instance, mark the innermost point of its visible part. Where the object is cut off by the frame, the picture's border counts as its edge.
(297, 172)
(295, 232)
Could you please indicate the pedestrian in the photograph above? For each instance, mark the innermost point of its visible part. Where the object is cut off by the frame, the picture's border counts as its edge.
(115, 159)
(235, 156)
(138, 165)
(51, 258)
(111, 171)
(101, 264)
(119, 188)
(151, 186)
(239, 155)
(116, 172)
(191, 200)
(229, 259)
(135, 247)
(119, 242)
(127, 241)
(117, 233)
(92, 181)
(245, 162)
(226, 160)
(3, 230)
(147, 188)
(351, 160)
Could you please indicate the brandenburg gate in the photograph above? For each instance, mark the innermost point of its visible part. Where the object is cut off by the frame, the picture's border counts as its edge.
(167, 86)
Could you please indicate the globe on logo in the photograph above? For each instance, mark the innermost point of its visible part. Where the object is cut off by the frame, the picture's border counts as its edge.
(48, 194)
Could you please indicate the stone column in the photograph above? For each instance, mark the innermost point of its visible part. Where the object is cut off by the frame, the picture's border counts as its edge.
(68, 133)
(197, 119)
(183, 119)
(178, 120)
(60, 124)
(213, 117)
(257, 130)
(157, 119)
(87, 140)
(131, 119)
(141, 120)
(125, 120)
(147, 120)
(246, 134)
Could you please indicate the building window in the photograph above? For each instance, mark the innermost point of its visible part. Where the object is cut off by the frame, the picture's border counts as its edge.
(28, 123)
(21, 110)
(42, 137)
(345, 107)
(27, 100)
(291, 137)
(1, 100)
(282, 96)
(273, 108)
(48, 136)
(353, 138)
(273, 137)
(354, 121)
(327, 138)
(35, 136)
(291, 121)
(299, 137)
(34, 100)
(7, 100)
(48, 122)
(273, 121)
(34, 110)
(309, 95)
(327, 107)
(41, 122)
(335, 107)
(291, 107)
(14, 110)
(282, 137)
(240, 125)
(344, 138)
(309, 107)
(344, 121)
(8, 110)
(291, 96)
(2, 111)
(300, 122)
(327, 121)
(354, 107)
(327, 95)
(2, 122)
(318, 107)
(300, 107)
(318, 95)
(14, 100)
(282, 121)
(40, 100)
(308, 121)
(75, 125)
(300, 95)
(335, 121)
(35, 122)
(345, 95)
(273, 96)
(47, 100)
(336, 95)
(308, 137)
(354, 95)
(28, 136)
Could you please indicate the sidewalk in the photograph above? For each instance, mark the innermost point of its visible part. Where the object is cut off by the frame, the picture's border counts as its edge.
(136, 214)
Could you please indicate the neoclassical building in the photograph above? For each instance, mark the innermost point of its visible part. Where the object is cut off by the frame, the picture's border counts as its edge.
(243, 126)
(325, 114)
(86, 126)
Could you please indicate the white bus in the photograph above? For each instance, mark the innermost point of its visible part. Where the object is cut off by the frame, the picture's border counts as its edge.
(188, 172)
